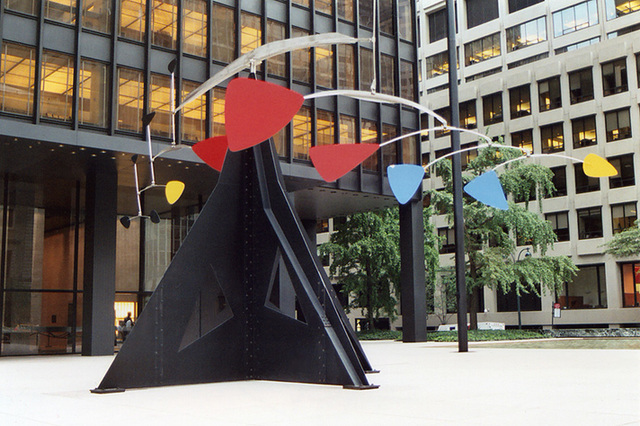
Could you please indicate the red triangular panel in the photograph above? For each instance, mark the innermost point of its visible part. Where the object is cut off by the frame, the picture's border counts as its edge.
(256, 110)
(335, 161)
(212, 151)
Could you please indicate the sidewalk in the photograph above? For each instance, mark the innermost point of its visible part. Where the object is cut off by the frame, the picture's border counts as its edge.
(420, 384)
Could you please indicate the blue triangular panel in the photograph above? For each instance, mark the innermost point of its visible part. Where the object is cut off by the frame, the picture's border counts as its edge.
(404, 180)
(487, 189)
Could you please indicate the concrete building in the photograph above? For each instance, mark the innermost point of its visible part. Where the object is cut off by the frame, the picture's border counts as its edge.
(561, 77)
(75, 79)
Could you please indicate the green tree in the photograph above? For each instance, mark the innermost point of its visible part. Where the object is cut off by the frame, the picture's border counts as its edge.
(625, 243)
(489, 232)
(365, 257)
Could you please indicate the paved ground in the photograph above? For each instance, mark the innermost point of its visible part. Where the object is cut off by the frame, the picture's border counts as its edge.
(421, 384)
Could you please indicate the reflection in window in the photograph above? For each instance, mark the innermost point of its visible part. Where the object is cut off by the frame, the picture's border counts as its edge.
(366, 13)
(437, 64)
(575, 18)
(218, 111)
(347, 129)
(526, 34)
(224, 30)
(585, 183)
(584, 131)
(302, 131)
(251, 33)
(407, 85)
(325, 125)
(324, 6)
(96, 14)
(387, 16)
(614, 77)
(549, 94)
(520, 101)
(194, 115)
(482, 49)
(405, 20)
(324, 66)
(617, 124)
(130, 100)
(560, 224)
(617, 8)
(388, 74)
(159, 102)
(194, 27)
(492, 108)
(523, 139)
(164, 23)
(132, 19)
(389, 152)
(346, 67)
(60, 10)
(581, 85)
(369, 134)
(17, 77)
(30, 7)
(626, 174)
(301, 59)
(366, 68)
(56, 86)
(587, 290)
(623, 216)
(481, 11)
(276, 65)
(590, 223)
(92, 96)
(630, 284)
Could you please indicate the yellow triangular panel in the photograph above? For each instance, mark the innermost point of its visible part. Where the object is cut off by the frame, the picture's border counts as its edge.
(173, 190)
(596, 166)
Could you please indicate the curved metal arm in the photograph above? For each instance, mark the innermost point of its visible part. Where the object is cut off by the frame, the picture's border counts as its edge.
(457, 129)
(266, 51)
(577, 160)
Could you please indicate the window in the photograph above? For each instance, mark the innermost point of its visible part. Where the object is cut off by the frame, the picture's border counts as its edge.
(623, 216)
(587, 290)
(405, 19)
(481, 11)
(325, 128)
(387, 74)
(508, 302)
(585, 183)
(584, 131)
(164, 23)
(345, 10)
(614, 77)
(516, 5)
(301, 59)
(17, 78)
(324, 6)
(617, 124)
(347, 129)
(590, 223)
(549, 94)
(194, 116)
(617, 8)
(324, 66)
(387, 16)
(559, 181)
(581, 86)
(56, 86)
(276, 65)
(448, 240)
(492, 108)
(467, 156)
(346, 67)
(519, 101)
(437, 25)
(223, 36)
(304, 3)
(437, 64)
(523, 139)
(194, 27)
(366, 68)
(578, 45)
(482, 49)
(410, 148)
(389, 152)
(130, 100)
(160, 103)
(407, 85)
(526, 34)
(60, 10)
(560, 224)
(218, 103)
(574, 18)
(630, 284)
(552, 138)
(468, 114)
(96, 15)
(132, 19)
(92, 95)
(446, 114)
(369, 134)
(250, 33)
(626, 175)
(30, 7)
(366, 13)
(302, 131)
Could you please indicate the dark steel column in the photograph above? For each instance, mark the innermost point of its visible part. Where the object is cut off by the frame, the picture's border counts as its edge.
(412, 279)
(100, 260)
(457, 180)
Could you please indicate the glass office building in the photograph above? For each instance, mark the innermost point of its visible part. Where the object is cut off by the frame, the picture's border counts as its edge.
(76, 77)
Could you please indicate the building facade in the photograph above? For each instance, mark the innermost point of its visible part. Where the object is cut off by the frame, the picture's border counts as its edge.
(554, 77)
(77, 76)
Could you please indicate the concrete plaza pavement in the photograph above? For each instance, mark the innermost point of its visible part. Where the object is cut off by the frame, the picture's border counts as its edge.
(420, 384)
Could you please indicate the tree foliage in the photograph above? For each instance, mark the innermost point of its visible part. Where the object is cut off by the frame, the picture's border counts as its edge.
(625, 243)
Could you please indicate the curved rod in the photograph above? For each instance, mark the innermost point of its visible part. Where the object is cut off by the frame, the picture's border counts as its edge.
(376, 97)
(537, 155)
(484, 145)
(266, 51)
(458, 129)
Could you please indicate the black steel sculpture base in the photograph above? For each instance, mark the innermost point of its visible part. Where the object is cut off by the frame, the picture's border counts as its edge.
(245, 297)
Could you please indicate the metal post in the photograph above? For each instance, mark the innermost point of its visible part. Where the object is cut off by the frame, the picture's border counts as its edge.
(519, 311)
(458, 221)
